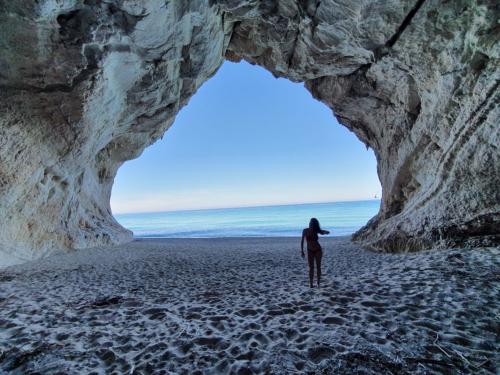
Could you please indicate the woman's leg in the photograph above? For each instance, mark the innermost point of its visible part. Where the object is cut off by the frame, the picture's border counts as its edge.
(310, 261)
(319, 255)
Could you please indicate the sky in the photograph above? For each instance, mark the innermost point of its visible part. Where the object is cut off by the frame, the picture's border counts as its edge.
(248, 139)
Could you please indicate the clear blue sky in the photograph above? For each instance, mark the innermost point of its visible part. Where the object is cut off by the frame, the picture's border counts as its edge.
(248, 139)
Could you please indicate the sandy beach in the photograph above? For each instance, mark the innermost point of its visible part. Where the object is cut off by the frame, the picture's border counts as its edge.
(235, 305)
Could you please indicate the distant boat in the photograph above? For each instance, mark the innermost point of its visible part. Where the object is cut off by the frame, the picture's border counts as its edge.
(375, 196)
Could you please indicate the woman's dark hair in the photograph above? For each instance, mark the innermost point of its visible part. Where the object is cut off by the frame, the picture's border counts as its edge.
(314, 225)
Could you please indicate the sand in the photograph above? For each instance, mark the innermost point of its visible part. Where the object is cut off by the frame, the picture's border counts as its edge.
(188, 306)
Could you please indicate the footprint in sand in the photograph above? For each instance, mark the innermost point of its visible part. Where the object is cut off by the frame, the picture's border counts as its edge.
(333, 320)
(211, 342)
(299, 365)
(247, 312)
(307, 308)
(184, 346)
(320, 353)
(155, 313)
(372, 318)
(285, 311)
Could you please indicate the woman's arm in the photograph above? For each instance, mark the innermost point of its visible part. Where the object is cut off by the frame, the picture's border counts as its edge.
(302, 243)
(325, 232)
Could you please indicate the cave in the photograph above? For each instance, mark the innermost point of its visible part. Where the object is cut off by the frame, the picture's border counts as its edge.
(88, 85)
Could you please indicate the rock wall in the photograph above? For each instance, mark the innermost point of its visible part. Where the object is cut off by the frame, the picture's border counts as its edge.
(87, 85)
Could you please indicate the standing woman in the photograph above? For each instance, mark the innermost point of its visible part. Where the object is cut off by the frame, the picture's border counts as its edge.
(314, 251)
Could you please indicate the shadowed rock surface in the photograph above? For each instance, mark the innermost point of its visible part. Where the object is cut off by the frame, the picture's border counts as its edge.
(87, 85)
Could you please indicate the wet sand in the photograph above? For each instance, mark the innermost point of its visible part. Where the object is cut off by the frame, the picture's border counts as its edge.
(235, 305)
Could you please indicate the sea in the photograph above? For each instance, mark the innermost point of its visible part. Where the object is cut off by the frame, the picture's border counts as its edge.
(340, 218)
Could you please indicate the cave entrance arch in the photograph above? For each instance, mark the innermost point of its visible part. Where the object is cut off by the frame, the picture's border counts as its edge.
(248, 139)
(88, 85)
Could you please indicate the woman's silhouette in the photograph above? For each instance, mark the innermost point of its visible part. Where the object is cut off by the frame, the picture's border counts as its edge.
(314, 251)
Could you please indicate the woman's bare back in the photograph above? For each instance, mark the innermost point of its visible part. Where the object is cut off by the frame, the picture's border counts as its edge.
(311, 239)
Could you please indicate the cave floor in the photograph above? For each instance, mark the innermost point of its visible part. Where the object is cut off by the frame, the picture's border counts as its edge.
(243, 305)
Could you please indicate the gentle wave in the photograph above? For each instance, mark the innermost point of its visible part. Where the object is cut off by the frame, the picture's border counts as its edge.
(341, 218)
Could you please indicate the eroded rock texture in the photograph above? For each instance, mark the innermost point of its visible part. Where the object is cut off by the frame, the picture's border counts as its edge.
(87, 85)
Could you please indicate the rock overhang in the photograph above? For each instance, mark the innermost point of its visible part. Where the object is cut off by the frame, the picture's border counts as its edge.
(87, 85)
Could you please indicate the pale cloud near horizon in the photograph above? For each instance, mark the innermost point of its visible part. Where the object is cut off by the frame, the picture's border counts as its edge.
(226, 198)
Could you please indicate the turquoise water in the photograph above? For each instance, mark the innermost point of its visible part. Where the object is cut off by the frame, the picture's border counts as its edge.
(341, 218)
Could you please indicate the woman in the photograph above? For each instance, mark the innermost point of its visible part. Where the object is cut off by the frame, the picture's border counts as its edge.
(314, 251)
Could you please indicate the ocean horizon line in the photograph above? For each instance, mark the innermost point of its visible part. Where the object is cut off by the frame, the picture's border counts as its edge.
(240, 207)
(239, 237)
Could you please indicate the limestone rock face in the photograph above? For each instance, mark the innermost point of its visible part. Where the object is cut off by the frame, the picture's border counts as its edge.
(87, 85)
